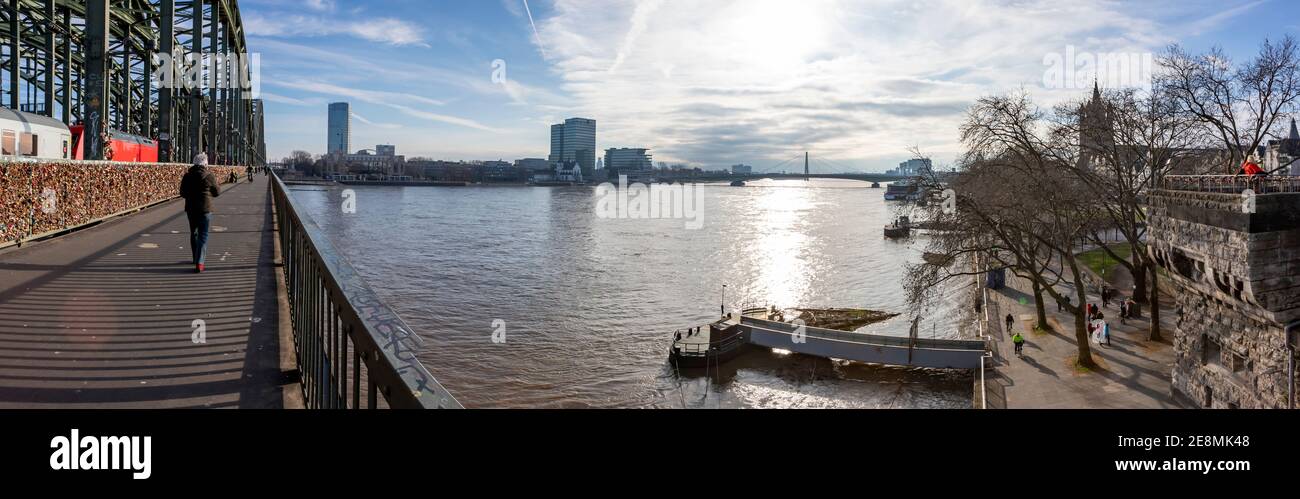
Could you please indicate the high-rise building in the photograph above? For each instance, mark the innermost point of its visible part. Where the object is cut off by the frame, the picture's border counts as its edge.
(624, 159)
(340, 129)
(385, 150)
(557, 143)
(574, 140)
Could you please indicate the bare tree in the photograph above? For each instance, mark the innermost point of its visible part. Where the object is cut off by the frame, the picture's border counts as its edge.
(1018, 206)
(1238, 106)
(1127, 142)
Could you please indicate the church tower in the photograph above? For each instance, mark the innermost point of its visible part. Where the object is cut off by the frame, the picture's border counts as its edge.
(1096, 130)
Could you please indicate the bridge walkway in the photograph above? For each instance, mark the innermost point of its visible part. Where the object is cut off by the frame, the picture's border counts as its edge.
(873, 348)
(105, 317)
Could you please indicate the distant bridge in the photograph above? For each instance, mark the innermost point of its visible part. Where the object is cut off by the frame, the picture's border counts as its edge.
(825, 165)
(865, 177)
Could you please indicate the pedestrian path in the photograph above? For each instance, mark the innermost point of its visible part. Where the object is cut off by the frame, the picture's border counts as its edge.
(108, 317)
(1132, 373)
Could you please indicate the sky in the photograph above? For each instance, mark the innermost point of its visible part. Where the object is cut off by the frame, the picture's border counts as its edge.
(857, 83)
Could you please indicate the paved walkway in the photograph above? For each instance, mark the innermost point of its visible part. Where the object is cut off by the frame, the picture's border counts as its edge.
(1133, 373)
(103, 318)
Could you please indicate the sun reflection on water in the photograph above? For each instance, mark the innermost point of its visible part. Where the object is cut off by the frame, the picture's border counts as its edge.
(780, 247)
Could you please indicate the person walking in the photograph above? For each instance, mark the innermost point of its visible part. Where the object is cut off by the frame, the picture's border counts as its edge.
(1019, 342)
(1105, 333)
(249, 172)
(198, 187)
(1010, 322)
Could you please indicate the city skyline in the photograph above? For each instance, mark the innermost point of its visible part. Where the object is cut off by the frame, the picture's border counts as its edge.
(759, 81)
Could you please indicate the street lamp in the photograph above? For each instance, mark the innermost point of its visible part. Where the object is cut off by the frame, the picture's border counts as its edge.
(723, 305)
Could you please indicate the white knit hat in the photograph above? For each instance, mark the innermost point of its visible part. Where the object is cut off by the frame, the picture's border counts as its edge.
(200, 159)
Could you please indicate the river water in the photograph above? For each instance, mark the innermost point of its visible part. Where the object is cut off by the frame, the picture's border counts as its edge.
(588, 303)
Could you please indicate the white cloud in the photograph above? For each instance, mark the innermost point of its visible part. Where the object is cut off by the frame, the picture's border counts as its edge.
(400, 102)
(320, 5)
(727, 81)
(292, 101)
(381, 30)
(390, 126)
(293, 60)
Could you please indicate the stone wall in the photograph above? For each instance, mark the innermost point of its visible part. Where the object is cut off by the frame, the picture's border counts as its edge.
(1234, 276)
(1242, 264)
(40, 197)
(1247, 369)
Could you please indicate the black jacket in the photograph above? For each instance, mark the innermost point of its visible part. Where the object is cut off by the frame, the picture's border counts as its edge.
(198, 187)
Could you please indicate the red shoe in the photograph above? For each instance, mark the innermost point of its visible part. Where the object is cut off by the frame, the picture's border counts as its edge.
(199, 268)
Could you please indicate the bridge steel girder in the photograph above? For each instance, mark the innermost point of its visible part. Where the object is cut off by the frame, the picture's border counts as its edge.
(47, 66)
(96, 81)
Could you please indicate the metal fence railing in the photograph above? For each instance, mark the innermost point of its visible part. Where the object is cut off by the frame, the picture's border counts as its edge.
(702, 349)
(1231, 184)
(349, 344)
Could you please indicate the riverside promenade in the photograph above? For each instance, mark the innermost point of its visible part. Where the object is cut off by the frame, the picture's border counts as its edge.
(107, 317)
(1132, 373)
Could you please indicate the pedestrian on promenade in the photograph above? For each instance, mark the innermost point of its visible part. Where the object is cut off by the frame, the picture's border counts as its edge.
(249, 172)
(198, 187)
(1105, 333)
(1010, 321)
(1019, 341)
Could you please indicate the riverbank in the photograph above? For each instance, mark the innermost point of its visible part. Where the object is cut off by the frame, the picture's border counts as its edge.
(1132, 373)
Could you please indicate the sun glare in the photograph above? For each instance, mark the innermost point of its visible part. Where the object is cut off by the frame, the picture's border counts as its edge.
(774, 30)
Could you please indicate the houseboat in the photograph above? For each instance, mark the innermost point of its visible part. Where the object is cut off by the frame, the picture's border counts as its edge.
(902, 190)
